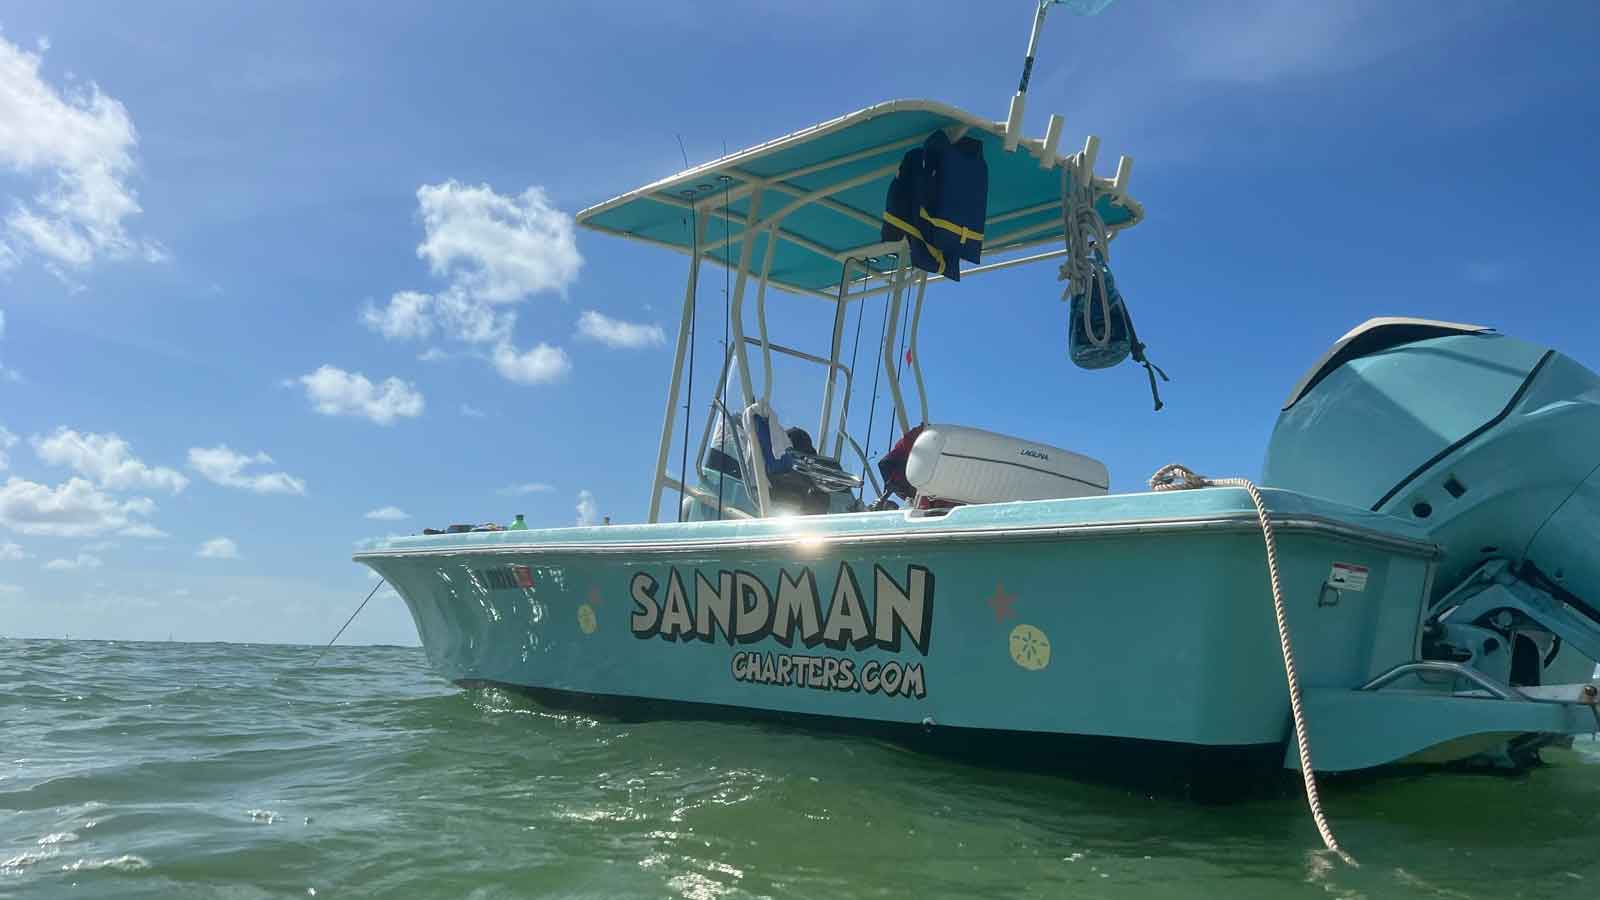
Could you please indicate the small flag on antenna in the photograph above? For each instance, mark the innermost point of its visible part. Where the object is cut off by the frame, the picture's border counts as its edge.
(1084, 7)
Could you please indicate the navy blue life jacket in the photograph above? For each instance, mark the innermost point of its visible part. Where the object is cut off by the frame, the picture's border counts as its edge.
(938, 202)
(955, 197)
(900, 216)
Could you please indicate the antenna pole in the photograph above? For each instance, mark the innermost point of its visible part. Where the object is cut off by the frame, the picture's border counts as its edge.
(1020, 101)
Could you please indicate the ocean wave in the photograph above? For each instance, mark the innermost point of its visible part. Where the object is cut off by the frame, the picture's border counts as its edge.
(222, 770)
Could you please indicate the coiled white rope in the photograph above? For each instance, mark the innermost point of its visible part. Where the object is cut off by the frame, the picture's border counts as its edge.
(1088, 245)
(1175, 477)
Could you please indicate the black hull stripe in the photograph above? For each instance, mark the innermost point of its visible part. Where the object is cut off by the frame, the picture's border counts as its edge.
(1197, 772)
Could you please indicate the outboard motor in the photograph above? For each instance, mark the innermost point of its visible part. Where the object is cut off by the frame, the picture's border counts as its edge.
(1492, 446)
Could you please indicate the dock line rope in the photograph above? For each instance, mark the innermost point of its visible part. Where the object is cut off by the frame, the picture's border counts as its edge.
(1175, 477)
(1088, 245)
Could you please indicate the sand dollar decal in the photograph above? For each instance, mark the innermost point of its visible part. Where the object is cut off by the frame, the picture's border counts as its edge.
(1030, 648)
(586, 620)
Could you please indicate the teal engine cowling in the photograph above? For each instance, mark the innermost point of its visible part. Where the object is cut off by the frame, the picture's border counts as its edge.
(1488, 443)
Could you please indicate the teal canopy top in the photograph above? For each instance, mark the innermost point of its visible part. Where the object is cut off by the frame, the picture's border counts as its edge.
(821, 191)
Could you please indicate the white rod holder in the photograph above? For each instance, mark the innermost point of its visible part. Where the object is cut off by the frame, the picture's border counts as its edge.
(1124, 172)
(1014, 121)
(1052, 141)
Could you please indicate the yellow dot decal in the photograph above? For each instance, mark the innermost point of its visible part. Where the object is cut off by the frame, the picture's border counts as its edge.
(1030, 649)
(586, 620)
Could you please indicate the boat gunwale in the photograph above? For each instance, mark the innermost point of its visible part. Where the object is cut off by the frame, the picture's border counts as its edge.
(813, 542)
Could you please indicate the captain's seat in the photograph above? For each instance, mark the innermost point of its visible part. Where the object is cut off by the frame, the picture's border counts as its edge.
(795, 478)
(960, 465)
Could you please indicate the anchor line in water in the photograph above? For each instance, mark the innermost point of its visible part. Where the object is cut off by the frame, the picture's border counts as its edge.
(336, 634)
(1174, 477)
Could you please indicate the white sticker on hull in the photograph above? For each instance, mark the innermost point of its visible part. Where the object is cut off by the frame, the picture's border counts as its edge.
(1348, 577)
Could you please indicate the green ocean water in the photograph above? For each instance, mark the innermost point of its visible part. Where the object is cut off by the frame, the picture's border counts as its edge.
(229, 771)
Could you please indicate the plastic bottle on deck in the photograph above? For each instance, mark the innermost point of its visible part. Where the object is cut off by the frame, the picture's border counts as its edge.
(518, 525)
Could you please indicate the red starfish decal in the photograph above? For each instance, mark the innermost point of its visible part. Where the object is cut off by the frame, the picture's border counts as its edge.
(594, 595)
(1001, 602)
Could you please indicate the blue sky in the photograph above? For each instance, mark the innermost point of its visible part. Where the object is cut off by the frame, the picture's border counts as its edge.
(273, 278)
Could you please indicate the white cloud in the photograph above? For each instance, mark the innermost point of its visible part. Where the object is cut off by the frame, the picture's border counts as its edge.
(105, 458)
(335, 392)
(368, 543)
(618, 334)
(532, 487)
(540, 365)
(588, 512)
(100, 546)
(81, 561)
(472, 412)
(7, 441)
(142, 530)
(499, 249)
(10, 588)
(472, 321)
(388, 514)
(76, 146)
(12, 551)
(2, 315)
(74, 509)
(218, 548)
(455, 313)
(220, 464)
(492, 250)
(407, 316)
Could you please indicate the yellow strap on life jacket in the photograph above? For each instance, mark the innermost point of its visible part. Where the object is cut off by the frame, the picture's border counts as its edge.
(903, 225)
(960, 231)
(913, 231)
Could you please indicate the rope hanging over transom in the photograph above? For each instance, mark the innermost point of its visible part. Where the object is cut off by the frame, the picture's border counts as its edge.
(1176, 477)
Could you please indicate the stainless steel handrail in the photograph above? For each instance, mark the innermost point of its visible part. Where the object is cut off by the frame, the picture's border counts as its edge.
(1502, 691)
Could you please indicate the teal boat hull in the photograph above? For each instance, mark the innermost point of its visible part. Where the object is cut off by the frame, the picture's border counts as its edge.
(1145, 617)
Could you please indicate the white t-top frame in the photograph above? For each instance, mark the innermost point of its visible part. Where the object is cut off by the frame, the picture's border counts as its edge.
(771, 200)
